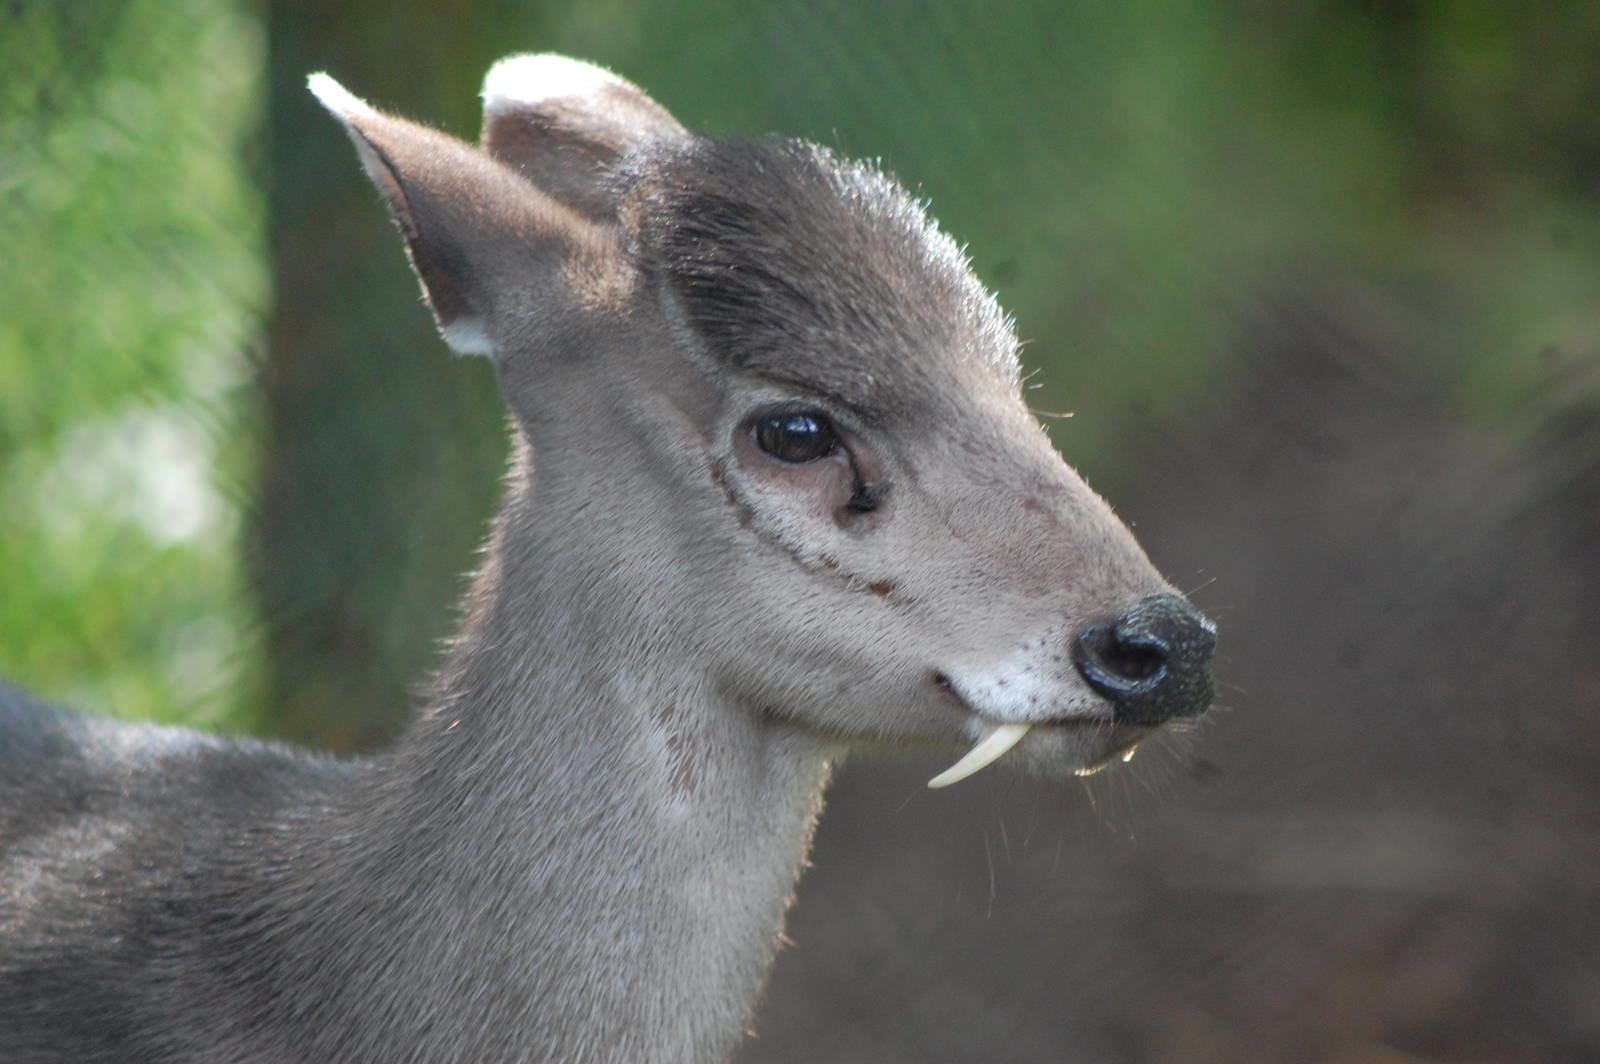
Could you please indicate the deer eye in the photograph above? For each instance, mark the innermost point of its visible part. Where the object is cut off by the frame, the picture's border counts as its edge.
(796, 437)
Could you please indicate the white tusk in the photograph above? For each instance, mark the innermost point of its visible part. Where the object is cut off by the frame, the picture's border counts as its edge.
(990, 748)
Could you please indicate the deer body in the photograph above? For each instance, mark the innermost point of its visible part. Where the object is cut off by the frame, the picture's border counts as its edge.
(773, 494)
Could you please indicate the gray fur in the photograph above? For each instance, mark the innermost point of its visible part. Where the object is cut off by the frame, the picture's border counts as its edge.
(583, 846)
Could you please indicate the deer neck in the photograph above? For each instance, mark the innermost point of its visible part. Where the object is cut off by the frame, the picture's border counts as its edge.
(605, 843)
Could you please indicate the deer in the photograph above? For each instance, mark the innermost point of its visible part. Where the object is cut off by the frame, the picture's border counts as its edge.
(774, 495)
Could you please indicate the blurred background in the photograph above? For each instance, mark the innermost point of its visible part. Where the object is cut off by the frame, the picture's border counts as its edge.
(1319, 281)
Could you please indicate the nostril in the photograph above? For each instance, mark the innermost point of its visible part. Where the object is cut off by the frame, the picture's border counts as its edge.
(1152, 663)
(1115, 666)
(1137, 662)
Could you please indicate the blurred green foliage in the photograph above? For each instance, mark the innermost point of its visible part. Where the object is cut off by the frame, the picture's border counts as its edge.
(132, 288)
(1133, 178)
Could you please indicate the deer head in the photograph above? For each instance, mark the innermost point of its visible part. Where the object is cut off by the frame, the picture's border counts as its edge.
(778, 430)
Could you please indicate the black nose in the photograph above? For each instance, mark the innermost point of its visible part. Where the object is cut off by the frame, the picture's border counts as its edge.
(1153, 662)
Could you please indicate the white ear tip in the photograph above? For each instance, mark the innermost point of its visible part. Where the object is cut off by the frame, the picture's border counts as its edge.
(340, 101)
(521, 81)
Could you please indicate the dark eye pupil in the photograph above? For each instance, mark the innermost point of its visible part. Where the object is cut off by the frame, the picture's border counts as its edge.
(796, 437)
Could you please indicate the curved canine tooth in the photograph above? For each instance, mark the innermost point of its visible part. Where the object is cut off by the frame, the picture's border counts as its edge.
(990, 748)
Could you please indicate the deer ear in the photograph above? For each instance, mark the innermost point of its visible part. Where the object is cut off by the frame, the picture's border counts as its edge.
(566, 126)
(479, 237)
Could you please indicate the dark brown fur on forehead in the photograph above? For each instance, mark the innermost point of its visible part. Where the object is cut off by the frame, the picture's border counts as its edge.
(816, 271)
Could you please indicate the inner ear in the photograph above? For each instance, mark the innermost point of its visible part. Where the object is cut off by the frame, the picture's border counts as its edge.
(566, 127)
